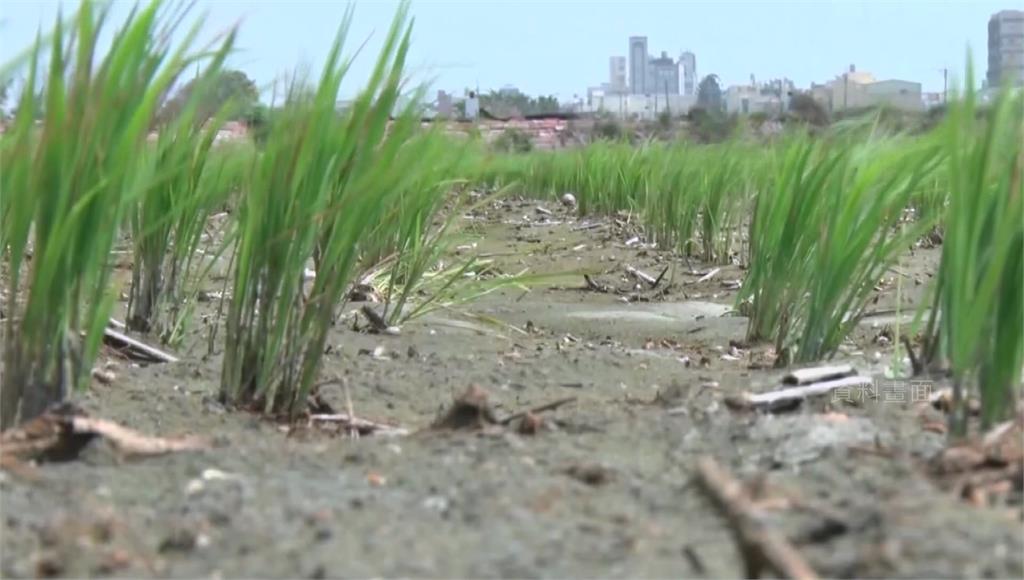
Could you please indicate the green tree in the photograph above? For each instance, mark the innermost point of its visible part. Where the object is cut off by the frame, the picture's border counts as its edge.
(804, 108)
(230, 86)
(709, 94)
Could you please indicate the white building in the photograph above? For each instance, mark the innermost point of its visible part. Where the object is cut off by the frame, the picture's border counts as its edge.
(858, 90)
(638, 65)
(688, 72)
(642, 107)
(617, 74)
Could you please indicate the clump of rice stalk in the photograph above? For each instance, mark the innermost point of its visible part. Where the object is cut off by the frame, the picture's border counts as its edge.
(66, 185)
(721, 191)
(168, 221)
(823, 235)
(322, 183)
(977, 317)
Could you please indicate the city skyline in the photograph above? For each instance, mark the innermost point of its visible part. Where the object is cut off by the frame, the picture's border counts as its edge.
(501, 43)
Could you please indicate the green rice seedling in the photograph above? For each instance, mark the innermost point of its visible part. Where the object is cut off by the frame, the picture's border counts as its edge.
(66, 184)
(169, 219)
(977, 316)
(823, 235)
(721, 188)
(672, 206)
(320, 186)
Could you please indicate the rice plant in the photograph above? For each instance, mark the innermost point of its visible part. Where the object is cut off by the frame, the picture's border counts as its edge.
(66, 186)
(322, 183)
(822, 236)
(977, 316)
(168, 221)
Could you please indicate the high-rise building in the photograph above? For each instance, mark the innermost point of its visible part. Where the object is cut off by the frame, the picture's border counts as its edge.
(638, 65)
(617, 74)
(1006, 48)
(664, 76)
(688, 64)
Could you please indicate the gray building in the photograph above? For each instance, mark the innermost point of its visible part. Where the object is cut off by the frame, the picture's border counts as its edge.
(664, 76)
(688, 66)
(638, 65)
(617, 74)
(1006, 48)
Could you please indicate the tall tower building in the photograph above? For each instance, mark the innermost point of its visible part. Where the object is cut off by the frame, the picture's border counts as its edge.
(688, 68)
(663, 77)
(638, 65)
(1006, 48)
(617, 73)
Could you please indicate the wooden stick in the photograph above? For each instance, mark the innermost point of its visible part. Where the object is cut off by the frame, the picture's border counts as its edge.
(660, 277)
(761, 546)
(546, 407)
(778, 398)
(651, 280)
(135, 348)
(817, 374)
(708, 276)
(351, 422)
(132, 442)
(589, 226)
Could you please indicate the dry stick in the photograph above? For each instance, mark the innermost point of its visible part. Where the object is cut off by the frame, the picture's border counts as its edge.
(651, 281)
(120, 340)
(132, 442)
(660, 278)
(353, 422)
(817, 374)
(802, 392)
(760, 545)
(589, 226)
(546, 407)
(708, 276)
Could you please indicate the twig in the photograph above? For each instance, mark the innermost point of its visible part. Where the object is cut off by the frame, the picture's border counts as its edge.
(651, 281)
(660, 278)
(134, 348)
(589, 226)
(786, 399)
(761, 546)
(817, 374)
(708, 276)
(365, 425)
(131, 442)
(546, 407)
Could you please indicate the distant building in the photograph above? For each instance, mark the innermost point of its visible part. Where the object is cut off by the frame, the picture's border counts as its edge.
(638, 65)
(857, 90)
(688, 70)
(664, 76)
(445, 108)
(1006, 48)
(642, 107)
(931, 100)
(770, 97)
(472, 105)
(617, 74)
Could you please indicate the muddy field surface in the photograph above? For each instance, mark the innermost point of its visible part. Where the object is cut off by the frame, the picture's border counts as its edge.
(605, 488)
